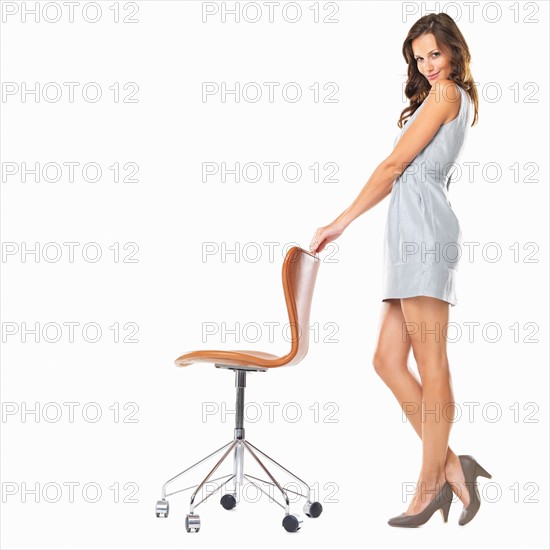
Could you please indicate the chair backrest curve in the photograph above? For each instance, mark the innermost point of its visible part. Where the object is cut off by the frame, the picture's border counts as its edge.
(299, 276)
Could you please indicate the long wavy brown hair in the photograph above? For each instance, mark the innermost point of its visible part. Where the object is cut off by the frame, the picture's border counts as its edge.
(449, 40)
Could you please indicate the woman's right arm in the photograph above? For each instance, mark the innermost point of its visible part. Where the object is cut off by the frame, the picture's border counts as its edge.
(378, 186)
(421, 131)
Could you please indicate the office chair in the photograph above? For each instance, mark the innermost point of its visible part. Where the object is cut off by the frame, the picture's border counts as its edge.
(299, 275)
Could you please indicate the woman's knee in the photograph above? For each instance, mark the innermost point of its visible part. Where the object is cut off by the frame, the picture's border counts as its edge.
(433, 370)
(387, 366)
(377, 363)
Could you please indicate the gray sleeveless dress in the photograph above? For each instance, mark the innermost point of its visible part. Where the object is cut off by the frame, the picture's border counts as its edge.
(422, 245)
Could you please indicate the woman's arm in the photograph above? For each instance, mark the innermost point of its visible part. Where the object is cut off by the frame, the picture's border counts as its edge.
(421, 131)
(378, 186)
(413, 140)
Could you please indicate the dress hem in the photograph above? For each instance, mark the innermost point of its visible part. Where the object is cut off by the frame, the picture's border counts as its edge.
(434, 280)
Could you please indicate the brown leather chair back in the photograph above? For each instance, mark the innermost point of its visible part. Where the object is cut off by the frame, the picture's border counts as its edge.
(299, 276)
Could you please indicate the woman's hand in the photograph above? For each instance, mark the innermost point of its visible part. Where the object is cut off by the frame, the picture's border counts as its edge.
(325, 235)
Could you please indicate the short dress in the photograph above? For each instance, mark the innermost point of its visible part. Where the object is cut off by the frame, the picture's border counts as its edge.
(423, 237)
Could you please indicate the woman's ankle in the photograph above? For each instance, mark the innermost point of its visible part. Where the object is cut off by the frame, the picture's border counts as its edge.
(451, 458)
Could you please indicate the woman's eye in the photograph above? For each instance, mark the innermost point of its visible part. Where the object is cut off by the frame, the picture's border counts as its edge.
(435, 54)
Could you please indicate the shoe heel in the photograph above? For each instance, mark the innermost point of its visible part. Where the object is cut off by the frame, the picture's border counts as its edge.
(480, 471)
(445, 510)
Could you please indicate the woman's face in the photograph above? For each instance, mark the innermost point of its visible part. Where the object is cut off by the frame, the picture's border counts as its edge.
(430, 60)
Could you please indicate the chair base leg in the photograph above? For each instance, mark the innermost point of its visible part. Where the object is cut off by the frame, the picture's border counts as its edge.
(291, 522)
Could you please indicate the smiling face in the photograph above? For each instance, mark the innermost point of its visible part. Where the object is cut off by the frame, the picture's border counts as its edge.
(430, 60)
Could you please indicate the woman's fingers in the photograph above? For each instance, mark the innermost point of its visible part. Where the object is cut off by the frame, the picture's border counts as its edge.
(325, 235)
(317, 240)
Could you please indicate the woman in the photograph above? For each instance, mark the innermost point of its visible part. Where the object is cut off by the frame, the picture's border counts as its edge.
(421, 254)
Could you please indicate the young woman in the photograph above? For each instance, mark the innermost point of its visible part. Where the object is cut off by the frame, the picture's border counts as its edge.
(421, 255)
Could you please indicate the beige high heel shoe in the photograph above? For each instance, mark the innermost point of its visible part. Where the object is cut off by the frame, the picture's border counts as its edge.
(442, 501)
(471, 470)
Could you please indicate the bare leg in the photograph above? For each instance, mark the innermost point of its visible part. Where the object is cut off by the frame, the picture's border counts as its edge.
(391, 364)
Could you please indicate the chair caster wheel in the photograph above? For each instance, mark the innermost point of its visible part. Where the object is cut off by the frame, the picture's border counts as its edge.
(292, 523)
(313, 509)
(228, 501)
(192, 523)
(161, 509)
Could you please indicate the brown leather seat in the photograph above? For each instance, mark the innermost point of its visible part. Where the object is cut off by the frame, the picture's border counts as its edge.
(299, 275)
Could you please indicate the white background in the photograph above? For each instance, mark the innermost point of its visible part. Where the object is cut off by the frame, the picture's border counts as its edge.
(363, 459)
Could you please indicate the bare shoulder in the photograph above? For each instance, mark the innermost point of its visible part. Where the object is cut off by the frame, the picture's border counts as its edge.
(445, 90)
(444, 99)
(440, 107)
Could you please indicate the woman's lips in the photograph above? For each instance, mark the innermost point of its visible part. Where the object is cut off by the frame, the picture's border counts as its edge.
(433, 76)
